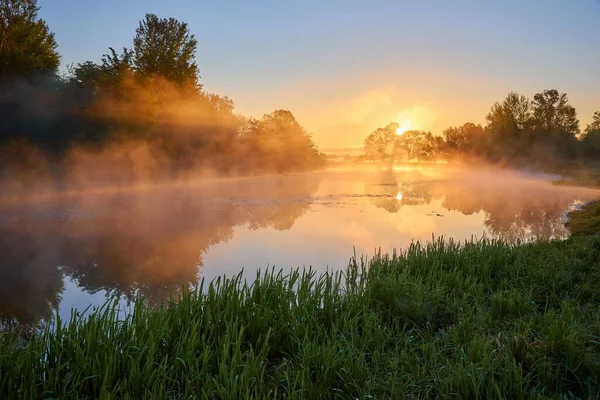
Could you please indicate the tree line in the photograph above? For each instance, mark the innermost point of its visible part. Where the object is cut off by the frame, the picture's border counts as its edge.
(146, 97)
(543, 130)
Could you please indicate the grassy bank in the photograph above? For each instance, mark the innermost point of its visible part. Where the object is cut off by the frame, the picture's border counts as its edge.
(585, 221)
(482, 319)
(580, 174)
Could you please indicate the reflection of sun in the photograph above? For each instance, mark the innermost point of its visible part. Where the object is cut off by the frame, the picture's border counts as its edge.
(399, 196)
(402, 128)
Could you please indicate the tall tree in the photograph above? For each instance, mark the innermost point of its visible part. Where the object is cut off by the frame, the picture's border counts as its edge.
(507, 125)
(27, 47)
(381, 143)
(595, 125)
(553, 113)
(165, 47)
(279, 142)
(591, 137)
(511, 117)
(415, 144)
(463, 140)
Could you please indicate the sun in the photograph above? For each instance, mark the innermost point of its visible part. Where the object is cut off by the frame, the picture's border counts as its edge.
(402, 128)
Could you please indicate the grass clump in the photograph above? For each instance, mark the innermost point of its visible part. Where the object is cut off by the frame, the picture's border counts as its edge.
(586, 220)
(578, 174)
(480, 319)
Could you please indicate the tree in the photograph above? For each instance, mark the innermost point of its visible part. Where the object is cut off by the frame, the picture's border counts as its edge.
(595, 125)
(463, 140)
(113, 67)
(591, 137)
(507, 126)
(278, 142)
(115, 64)
(419, 145)
(380, 143)
(555, 127)
(27, 47)
(165, 47)
(553, 113)
(512, 116)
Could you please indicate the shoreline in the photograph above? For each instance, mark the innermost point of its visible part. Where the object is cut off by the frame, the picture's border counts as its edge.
(474, 319)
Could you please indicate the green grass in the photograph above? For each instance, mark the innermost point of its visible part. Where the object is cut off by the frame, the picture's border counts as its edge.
(444, 320)
(585, 221)
(586, 175)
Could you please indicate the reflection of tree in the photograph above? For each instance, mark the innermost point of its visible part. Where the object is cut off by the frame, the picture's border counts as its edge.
(516, 211)
(148, 243)
(390, 191)
(144, 247)
(285, 203)
(31, 284)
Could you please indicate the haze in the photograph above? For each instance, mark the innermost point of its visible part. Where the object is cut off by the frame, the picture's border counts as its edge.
(348, 67)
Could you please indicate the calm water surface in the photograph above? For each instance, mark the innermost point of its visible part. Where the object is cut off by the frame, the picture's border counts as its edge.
(73, 252)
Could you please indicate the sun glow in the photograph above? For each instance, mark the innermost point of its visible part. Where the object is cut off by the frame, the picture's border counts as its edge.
(399, 196)
(402, 128)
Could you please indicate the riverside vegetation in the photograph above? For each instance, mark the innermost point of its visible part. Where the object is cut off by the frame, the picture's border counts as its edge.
(480, 319)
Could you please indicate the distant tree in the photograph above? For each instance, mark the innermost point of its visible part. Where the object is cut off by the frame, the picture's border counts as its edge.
(278, 142)
(595, 125)
(507, 125)
(86, 72)
(554, 127)
(463, 140)
(512, 115)
(380, 144)
(113, 67)
(115, 64)
(454, 138)
(27, 47)
(416, 145)
(552, 112)
(590, 142)
(165, 47)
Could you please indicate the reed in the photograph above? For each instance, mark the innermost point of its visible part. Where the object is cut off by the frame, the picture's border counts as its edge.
(480, 319)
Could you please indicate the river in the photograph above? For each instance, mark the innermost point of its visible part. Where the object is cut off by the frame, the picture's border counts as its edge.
(70, 252)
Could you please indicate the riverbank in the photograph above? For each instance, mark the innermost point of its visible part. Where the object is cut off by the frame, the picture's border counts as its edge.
(586, 219)
(579, 174)
(481, 319)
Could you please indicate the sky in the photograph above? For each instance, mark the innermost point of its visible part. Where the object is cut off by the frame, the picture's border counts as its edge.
(345, 68)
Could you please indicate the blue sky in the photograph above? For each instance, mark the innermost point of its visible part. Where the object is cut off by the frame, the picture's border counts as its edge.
(347, 67)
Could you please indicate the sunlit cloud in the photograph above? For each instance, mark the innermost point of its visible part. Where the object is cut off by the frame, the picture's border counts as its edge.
(346, 120)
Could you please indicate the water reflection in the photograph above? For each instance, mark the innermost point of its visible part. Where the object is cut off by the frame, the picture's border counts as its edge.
(516, 212)
(150, 242)
(516, 208)
(30, 282)
(156, 240)
(390, 189)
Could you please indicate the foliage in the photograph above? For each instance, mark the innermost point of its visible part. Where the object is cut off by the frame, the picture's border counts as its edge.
(149, 97)
(535, 132)
(27, 47)
(379, 145)
(595, 125)
(475, 320)
(165, 47)
(462, 141)
(552, 112)
(591, 138)
(507, 125)
(278, 140)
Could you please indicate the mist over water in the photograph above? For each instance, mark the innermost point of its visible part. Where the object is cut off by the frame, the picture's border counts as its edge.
(74, 250)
